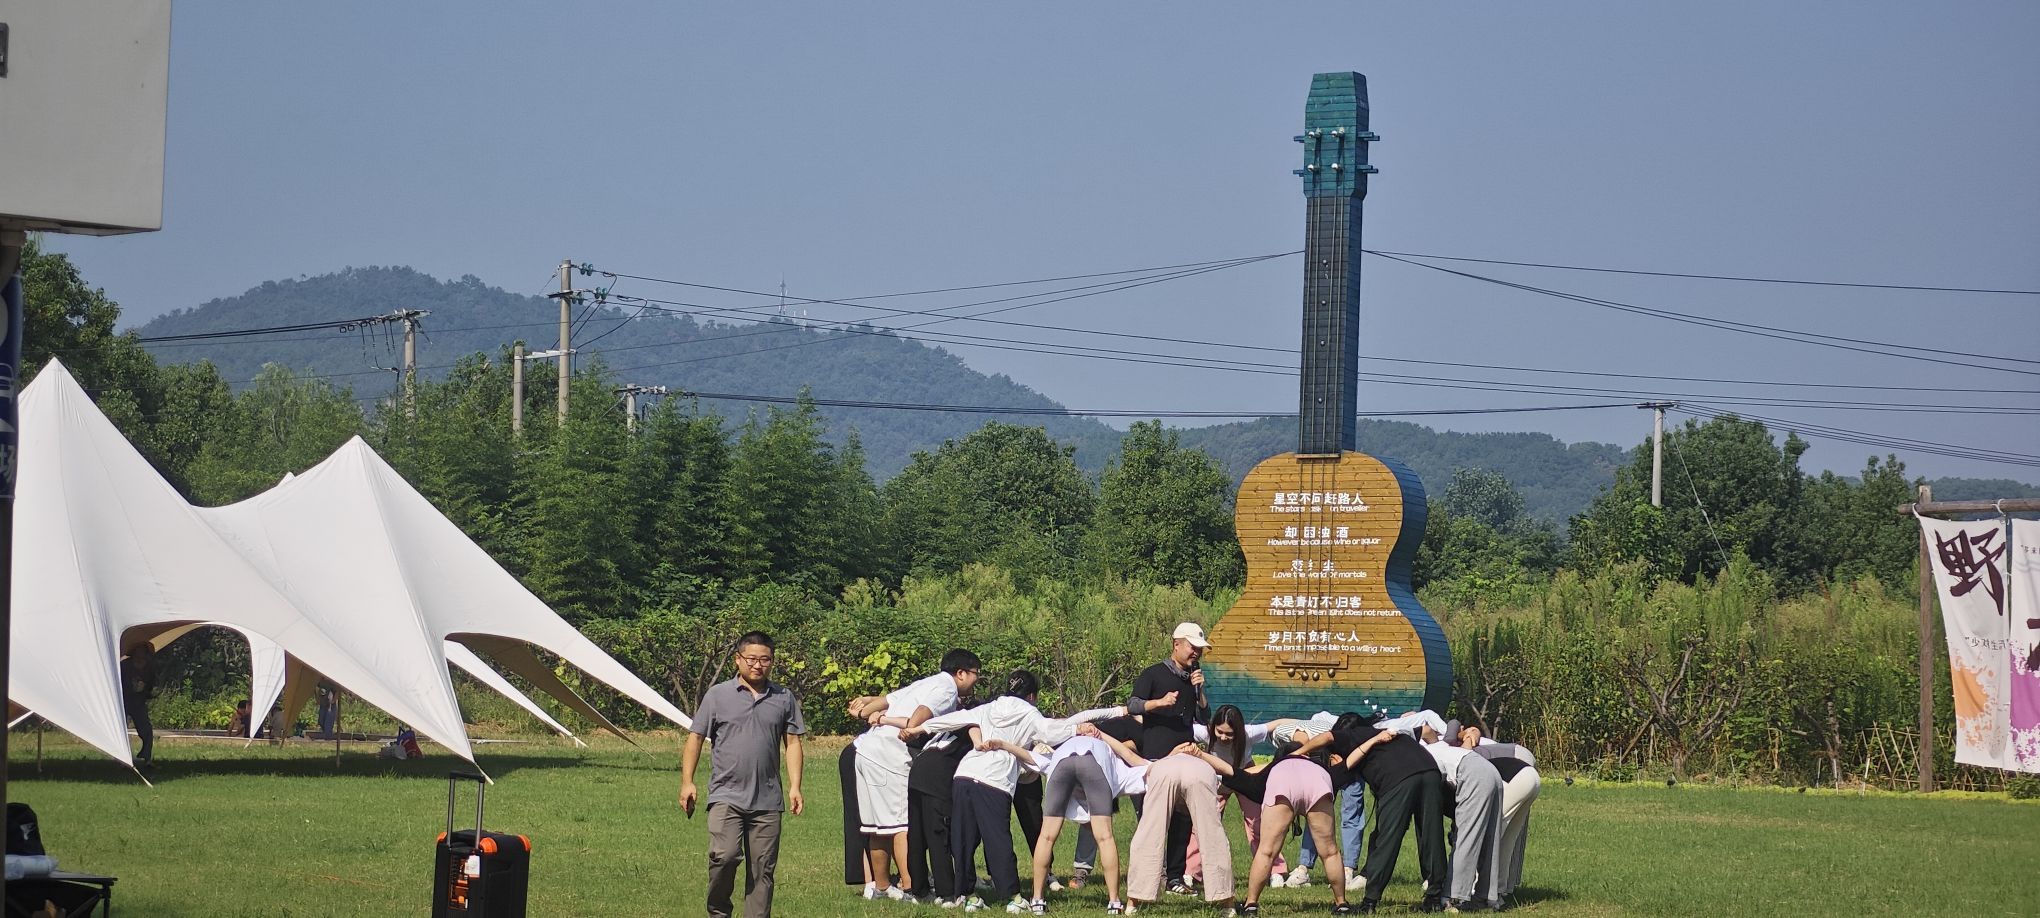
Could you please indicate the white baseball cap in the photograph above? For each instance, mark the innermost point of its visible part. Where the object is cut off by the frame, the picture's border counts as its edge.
(1192, 632)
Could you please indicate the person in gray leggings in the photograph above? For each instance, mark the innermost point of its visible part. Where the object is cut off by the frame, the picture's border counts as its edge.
(1476, 835)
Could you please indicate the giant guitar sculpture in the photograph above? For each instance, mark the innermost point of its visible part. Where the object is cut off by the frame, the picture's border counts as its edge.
(1327, 620)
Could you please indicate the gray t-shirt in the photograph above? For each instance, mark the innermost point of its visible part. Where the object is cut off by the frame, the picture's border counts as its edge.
(747, 732)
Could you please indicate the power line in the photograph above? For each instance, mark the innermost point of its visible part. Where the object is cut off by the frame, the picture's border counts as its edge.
(1880, 441)
(1704, 517)
(1209, 363)
(1749, 328)
(1719, 277)
(1107, 412)
(1020, 283)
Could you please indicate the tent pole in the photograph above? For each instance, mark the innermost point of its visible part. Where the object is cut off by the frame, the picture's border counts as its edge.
(336, 726)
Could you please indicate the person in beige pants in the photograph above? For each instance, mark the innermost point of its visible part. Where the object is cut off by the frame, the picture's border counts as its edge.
(1182, 780)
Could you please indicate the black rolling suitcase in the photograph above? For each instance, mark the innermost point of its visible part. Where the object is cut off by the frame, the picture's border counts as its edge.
(475, 873)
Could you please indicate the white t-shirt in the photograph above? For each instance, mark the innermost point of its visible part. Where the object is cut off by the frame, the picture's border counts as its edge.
(1015, 721)
(1408, 723)
(1448, 757)
(1304, 730)
(882, 744)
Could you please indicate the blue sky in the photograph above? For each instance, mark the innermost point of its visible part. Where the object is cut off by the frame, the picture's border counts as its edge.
(855, 149)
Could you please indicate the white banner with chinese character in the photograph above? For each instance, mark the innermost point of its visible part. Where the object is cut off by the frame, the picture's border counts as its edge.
(1970, 561)
(2022, 615)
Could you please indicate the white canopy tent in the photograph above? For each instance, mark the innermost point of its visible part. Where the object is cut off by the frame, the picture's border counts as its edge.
(360, 551)
(104, 545)
(348, 570)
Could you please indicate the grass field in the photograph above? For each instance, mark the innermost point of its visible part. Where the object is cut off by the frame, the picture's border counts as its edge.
(267, 831)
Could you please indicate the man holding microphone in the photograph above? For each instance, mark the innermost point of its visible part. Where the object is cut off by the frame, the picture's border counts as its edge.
(1169, 697)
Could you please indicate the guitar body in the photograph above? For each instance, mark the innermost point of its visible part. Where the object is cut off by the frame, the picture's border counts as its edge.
(1327, 621)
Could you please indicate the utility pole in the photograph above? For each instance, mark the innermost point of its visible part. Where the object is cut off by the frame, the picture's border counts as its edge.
(566, 298)
(517, 389)
(630, 392)
(410, 319)
(1657, 452)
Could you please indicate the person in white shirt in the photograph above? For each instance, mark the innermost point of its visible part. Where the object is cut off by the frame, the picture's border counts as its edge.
(982, 800)
(883, 762)
(1476, 814)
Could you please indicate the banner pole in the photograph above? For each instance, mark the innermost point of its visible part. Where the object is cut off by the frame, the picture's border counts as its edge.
(1926, 751)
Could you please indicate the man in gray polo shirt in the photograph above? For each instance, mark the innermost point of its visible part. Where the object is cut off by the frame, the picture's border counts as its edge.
(747, 719)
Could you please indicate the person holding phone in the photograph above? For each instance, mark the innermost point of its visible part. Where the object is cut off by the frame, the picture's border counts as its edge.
(1169, 697)
(752, 725)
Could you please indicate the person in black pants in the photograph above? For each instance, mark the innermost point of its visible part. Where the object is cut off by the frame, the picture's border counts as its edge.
(1407, 786)
(137, 684)
(856, 869)
(1169, 697)
(930, 796)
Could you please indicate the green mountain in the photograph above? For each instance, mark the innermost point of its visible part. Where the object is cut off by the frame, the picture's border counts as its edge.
(681, 352)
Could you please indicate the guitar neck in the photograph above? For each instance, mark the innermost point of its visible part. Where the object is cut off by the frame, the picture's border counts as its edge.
(1334, 173)
(1327, 400)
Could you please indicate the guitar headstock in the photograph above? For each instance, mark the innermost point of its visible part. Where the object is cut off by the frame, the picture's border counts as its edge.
(1335, 137)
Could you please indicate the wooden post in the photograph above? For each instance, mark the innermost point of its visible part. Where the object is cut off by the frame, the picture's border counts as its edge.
(1927, 651)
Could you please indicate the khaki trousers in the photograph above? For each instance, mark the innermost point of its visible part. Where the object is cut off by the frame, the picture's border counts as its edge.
(749, 836)
(1179, 782)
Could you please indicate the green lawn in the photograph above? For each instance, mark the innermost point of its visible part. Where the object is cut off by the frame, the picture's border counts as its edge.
(265, 831)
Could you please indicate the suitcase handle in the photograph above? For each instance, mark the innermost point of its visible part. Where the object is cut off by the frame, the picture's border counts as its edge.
(453, 779)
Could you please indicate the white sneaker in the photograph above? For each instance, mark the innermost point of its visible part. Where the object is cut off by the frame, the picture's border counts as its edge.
(1298, 877)
(1018, 906)
(973, 904)
(950, 903)
(1054, 885)
(896, 894)
(871, 890)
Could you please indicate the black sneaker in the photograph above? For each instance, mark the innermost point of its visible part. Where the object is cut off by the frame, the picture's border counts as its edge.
(1431, 904)
(1366, 906)
(1344, 908)
(1246, 908)
(1181, 888)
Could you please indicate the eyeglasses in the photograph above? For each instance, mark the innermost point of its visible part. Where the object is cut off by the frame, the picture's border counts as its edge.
(754, 660)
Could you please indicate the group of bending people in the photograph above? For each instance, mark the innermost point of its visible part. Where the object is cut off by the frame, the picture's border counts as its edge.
(935, 781)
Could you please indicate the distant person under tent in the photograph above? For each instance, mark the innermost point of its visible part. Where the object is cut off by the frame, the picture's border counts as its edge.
(137, 686)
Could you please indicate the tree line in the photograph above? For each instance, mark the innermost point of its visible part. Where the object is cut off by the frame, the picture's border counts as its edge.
(1752, 629)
